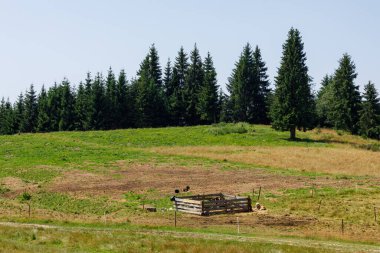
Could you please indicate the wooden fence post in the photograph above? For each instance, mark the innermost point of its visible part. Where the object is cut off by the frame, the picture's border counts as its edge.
(342, 227)
(374, 211)
(175, 218)
(258, 197)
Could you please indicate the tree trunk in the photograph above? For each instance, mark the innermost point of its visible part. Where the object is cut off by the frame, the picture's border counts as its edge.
(292, 132)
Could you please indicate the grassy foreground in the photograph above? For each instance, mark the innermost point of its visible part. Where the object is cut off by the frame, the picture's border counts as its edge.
(102, 178)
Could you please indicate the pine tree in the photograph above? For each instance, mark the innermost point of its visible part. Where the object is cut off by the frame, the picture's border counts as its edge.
(98, 103)
(43, 121)
(176, 99)
(324, 102)
(111, 101)
(240, 86)
(81, 101)
(54, 104)
(6, 117)
(259, 105)
(19, 114)
(293, 105)
(67, 110)
(193, 85)
(370, 113)
(124, 103)
(31, 111)
(150, 98)
(346, 97)
(207, 106)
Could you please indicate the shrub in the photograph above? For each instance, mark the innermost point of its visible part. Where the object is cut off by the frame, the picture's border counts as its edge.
(230, 128)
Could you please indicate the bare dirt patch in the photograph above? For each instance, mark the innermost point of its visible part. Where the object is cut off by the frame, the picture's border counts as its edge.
(341, 159)
(15, 186)
(164, 179)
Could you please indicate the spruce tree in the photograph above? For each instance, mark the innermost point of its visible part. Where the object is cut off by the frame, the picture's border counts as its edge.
(124, 102)
(370, 113)
(193, 85)
(111, 121)
(31, 111)
(293, 105)
(98, 103)
(207, 106)
(240, 86)
(81, 109)
(150, 98)
(19, 109)
(67, 110)
(6, 117)
(346, 97)
(54, 104)
(259, 105)
(43, 122)
(176, 94)
(324, 102)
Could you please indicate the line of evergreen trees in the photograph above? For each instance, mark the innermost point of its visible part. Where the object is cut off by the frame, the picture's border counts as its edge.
(186, 92)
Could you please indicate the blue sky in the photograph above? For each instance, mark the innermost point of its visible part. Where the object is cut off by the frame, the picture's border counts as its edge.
(42, 41)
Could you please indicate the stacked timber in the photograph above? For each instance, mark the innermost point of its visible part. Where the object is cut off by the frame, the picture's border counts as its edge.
(210, 204)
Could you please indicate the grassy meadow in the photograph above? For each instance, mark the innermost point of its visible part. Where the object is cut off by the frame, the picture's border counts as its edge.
(89, 187)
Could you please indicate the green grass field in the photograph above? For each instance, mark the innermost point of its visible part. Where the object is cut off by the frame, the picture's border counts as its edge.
(98, 181)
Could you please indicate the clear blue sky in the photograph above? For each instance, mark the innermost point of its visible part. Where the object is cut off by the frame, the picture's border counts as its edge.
(42, 41)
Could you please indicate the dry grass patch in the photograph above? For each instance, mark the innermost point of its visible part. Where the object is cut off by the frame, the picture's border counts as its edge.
(341, 159)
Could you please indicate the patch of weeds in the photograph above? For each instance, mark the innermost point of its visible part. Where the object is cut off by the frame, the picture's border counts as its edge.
(229, 128)
(372, 147)
(3, 190)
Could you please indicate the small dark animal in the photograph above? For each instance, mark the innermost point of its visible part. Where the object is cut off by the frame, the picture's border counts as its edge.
(186, 189)
(176, 191)
(172, 198)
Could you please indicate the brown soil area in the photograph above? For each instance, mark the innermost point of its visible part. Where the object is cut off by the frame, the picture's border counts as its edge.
(165, 179)
(15, 186)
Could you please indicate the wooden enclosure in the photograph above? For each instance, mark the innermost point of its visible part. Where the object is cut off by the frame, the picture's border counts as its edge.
(210, 204)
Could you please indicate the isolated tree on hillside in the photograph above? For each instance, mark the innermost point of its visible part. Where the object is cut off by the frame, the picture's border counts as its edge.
(346, 97)
(293, 105)
(207, 106)
(370, 113)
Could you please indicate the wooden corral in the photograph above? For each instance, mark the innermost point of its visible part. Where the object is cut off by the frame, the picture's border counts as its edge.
(210, 204)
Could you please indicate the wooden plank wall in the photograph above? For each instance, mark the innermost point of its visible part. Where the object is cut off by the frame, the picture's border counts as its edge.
(213, 204)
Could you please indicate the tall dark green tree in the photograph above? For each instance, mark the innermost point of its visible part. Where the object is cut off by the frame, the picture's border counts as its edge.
(259, 104)
(346, 97)
(98, 103)
(324, 102)
(43, 122)
(193, 85)
(207, 106)
(150, 102)
(6, 117)
(293, 105)
(111, 121)
(240, 86)
(54, 104)
(31, 111)
(370, 113)
(175, 92)
(19, 114)
(124, 102)
(67, 110)
(81, 109)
